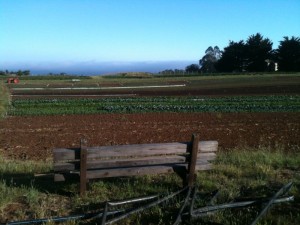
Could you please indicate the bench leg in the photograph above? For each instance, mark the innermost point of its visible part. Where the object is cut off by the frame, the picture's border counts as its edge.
(191, 175)
(83, 166)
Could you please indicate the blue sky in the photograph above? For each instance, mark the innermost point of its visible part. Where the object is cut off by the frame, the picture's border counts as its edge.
(101, 36)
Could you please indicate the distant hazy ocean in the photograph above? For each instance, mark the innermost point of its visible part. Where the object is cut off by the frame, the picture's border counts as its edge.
(96, 68)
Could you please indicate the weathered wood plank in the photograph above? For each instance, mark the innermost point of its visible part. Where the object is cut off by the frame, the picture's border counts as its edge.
(137, 150)
(192, 161)
(97, 164)
(133, 171)
(64, 154)
(134, 150)
(208, 146)
(59, 177)
(149, 149)
(137, 171)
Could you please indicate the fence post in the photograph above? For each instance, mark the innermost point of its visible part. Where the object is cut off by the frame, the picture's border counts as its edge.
(83, 167)
(191, 175)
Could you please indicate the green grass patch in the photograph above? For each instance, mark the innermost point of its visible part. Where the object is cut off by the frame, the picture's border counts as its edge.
(136, 79)
(26, 167)
(238, 173)
(156, 104)
(254, 173)
(4, 100)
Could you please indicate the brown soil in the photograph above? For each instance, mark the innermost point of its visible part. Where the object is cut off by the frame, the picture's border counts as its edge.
(34, 137)
(185, 91)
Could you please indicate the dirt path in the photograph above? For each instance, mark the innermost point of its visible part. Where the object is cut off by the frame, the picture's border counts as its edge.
(35, 137)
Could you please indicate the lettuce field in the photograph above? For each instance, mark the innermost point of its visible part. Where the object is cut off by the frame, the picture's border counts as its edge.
(270, 103)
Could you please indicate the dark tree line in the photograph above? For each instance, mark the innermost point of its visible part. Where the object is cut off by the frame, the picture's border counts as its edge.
(18, 73)
(288, 54)
(253, 55)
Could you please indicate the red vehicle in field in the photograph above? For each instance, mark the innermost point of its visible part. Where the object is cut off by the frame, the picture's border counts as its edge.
(13, 80)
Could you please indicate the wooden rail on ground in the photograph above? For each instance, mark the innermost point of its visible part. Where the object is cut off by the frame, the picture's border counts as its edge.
(132, 160)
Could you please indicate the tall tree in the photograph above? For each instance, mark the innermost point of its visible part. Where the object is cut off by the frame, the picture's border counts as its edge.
(208, 61)
(19, 72)
(258, 50)
(288, 54)
(193, 68)
(26, 72)
(233, 58)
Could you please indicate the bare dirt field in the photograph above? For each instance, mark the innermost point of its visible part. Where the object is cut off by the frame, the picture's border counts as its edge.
(177, 91)
(35, 137)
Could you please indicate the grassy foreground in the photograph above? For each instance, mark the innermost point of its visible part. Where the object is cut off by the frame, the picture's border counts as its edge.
(242, 172)
(4, 99)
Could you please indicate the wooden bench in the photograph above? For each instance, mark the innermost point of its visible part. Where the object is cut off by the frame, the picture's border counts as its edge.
(130, 160)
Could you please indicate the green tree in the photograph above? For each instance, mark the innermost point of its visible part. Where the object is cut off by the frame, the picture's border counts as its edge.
(26, 72)
(208, 61)
(258, 50)
(288, 54)
(193, 68)
(19, 73)
(233, 58)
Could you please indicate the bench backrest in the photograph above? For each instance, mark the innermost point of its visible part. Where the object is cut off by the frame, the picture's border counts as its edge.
(131, 160)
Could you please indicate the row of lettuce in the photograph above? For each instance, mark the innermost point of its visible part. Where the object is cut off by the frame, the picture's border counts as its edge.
(155, 104)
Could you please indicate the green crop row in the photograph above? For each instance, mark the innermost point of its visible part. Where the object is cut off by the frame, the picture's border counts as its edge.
(156, 104)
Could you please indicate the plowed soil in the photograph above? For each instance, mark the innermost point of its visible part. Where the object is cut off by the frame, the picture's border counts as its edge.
(181, 91)
(35, 137)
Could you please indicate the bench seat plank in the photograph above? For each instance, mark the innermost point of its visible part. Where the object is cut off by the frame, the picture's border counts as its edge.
(94, 164)
(136, 150)
(146, 170)
(136, 171)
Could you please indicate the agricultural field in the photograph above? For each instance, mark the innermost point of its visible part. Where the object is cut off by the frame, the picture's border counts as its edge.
(282, 103)
(255, 117)
(159, 86)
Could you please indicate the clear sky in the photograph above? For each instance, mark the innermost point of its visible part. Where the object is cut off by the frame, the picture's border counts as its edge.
(99, 36)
